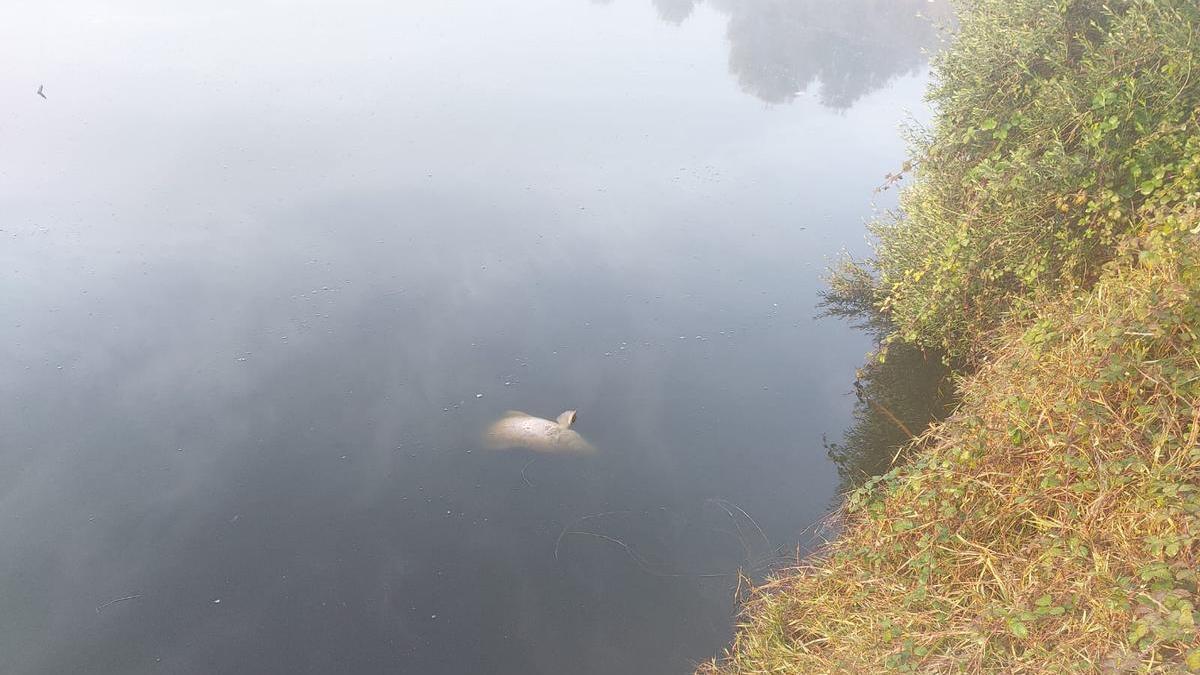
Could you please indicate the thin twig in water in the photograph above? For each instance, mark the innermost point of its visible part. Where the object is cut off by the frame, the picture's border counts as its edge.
(527, 464)
(863, 396)
(725, 503)
(113, 602)
(642, 563)
(737, 526)
(580, 520)
(773, 556)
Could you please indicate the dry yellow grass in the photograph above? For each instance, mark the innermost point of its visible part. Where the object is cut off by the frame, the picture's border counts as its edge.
(1049, 526)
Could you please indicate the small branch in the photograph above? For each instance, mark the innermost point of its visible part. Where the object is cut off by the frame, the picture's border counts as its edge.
(641, 562)
(113, 602)
(527, 465)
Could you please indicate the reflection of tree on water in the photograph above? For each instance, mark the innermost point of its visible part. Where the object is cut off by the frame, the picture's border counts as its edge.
(780, 48)
(675, 11)
(896, 398)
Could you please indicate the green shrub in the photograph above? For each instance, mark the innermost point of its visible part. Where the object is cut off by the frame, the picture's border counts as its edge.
(1058, 124)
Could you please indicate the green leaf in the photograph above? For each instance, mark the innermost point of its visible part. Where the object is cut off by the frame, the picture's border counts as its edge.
(1043, 601)
(1018, 628)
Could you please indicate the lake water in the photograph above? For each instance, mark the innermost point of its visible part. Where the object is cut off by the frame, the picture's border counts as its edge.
(269, 270)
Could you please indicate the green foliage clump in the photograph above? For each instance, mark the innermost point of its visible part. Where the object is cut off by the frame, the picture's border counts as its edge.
(1059, 124)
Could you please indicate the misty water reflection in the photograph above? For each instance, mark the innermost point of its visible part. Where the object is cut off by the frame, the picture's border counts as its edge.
(779, 49)
(268, 275)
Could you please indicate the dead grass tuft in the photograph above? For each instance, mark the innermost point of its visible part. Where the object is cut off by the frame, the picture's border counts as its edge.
(1049, 526)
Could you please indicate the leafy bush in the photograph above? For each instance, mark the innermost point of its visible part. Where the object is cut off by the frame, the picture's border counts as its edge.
(1059, 123)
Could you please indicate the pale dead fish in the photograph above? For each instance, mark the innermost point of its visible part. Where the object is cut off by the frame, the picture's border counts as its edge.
(522, 430)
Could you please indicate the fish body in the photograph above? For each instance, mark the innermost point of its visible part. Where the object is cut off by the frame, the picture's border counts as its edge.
(522, 430)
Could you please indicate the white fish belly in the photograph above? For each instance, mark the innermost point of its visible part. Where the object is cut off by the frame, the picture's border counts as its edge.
(535, 433)
(524, 432)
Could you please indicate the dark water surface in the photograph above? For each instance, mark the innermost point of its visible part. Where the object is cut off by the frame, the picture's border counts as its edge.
(268, 270)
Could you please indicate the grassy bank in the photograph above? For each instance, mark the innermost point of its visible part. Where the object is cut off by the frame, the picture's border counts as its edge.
(1048, 247)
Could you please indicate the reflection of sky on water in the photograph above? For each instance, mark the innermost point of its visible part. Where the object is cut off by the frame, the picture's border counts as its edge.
(259, 263)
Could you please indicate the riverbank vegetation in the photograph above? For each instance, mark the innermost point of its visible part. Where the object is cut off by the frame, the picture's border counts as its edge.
(1047, 250)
